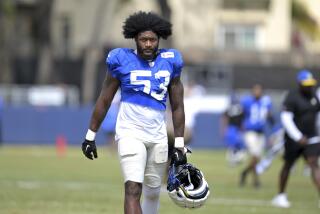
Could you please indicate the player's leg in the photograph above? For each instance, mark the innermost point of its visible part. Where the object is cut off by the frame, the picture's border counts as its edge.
(248, 139)
(132, 198)
(240, 148)
(154, 171)
(151, 196)
(281, 200)
(259, 149)
(315, 170)
(133, 156)
(255, 144)
(230, 139)
(250, 168)
(291, 154)
(284, 175)
(312, 153)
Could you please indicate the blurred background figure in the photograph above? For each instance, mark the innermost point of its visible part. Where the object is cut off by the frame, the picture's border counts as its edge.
(232, 132)
(257, 114)
(300, 109)
(276, 144)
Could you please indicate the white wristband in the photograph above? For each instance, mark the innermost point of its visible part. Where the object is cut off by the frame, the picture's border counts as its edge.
(91, 135)
(179, 142)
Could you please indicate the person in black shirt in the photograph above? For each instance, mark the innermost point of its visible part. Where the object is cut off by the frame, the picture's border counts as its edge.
(300, 109)
(232, 132)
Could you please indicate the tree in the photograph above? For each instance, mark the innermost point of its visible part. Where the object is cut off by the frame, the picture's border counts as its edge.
(43, 32)
(94, 49)
(7, 15)
(304, 21)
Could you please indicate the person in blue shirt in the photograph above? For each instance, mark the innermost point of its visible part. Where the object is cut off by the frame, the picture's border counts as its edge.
(146, 76)
(257, 113)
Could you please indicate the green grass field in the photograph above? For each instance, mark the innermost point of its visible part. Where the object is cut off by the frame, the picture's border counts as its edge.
(33, 180)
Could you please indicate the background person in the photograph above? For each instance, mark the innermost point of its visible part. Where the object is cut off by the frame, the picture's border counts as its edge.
(298, 117)
(257, 114)
(232, 131)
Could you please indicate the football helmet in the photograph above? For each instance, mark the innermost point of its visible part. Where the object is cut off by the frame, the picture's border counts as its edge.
(187, 186)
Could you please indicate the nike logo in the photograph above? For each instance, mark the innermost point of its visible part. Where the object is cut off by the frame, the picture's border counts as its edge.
(88, 146)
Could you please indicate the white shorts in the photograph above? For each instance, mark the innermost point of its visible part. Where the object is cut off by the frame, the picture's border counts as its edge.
(255, 143)
(143, 162)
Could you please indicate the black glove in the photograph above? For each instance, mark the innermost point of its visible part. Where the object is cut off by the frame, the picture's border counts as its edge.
(179, 157)
(89, 149)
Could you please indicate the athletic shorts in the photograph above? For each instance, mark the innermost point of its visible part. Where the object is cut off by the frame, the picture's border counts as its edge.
(143, 162)
(255, 143)
(293, 150)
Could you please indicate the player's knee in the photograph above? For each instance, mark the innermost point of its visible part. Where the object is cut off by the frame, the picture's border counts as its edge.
(133, 189)
(152, 181)
(288, 164)
(313, 162)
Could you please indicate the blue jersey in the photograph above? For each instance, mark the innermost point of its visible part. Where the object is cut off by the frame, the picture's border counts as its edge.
(256, 112)
(142, 82)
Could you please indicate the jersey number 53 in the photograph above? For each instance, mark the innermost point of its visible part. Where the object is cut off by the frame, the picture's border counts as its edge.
(136, 79)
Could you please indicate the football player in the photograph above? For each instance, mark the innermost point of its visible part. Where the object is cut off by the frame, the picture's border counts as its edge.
(231, 125)
(146, 77)
(257, 114)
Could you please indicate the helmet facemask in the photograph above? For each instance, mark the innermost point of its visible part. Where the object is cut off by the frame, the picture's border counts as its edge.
(187, 186)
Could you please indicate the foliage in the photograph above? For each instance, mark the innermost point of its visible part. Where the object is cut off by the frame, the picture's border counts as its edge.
(302, 18)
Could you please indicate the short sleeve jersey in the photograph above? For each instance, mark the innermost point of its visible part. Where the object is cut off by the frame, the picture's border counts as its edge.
(304, 109)
(142, 82)
(256, 112)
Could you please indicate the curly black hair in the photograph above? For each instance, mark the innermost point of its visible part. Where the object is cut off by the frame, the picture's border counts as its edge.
(144, 21)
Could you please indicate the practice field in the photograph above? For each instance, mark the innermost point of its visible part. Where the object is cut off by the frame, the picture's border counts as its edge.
(33, 180)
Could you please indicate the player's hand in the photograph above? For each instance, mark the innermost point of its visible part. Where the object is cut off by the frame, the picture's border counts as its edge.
(303, 141)
(179, 156)
(89, 149)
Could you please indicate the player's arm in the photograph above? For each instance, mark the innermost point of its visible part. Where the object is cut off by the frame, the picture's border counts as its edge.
(109, 89)
(178, 120)
(287, 120)
(177, 108)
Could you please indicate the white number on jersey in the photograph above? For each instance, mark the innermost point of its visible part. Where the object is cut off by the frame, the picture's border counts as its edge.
(258, 113)
(147, 83)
